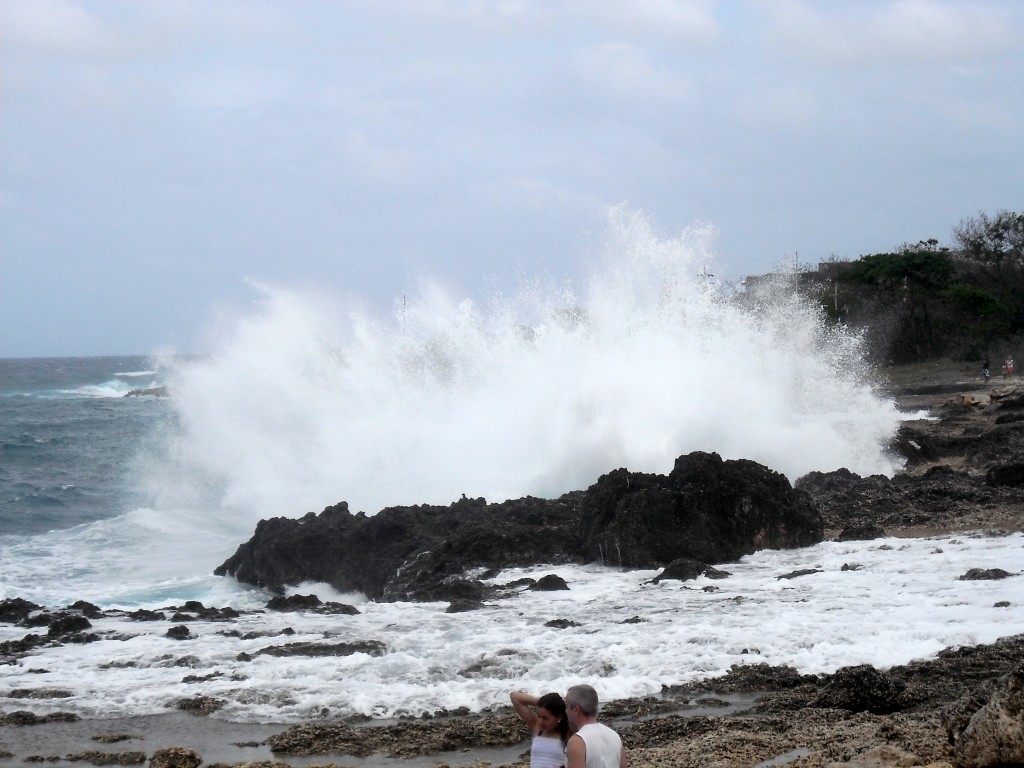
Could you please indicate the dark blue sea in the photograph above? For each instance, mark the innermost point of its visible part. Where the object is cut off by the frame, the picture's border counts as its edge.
(69, 432)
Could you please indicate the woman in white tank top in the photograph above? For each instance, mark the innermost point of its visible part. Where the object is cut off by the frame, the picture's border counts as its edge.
(545, 717)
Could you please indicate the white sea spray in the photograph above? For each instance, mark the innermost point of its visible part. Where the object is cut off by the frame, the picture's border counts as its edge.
(309, 400)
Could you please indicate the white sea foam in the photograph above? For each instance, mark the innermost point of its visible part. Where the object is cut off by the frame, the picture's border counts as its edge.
(112, 388)
(904, 602)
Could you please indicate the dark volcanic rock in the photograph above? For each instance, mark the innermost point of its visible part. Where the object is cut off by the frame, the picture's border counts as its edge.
(941, 497)
(143, 614)
(450, 588)
(863, 689)
(402, 552)
(549, 583)
(462, 605)
(86, 608)
(798, 573)
(193, 609)
(13, 649)
(685, 569)
(866, 532)
(756, 677)
(147, 392)
(985, 574)
(706, 509)
(369, 647)
(15, 609)
(1006, 474)
(293, 603)
(66, 624)
(310, 603)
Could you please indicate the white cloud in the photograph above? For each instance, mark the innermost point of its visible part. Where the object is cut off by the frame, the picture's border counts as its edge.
(54, 27)
(689, 20)
(543, 195)
(235, 87)
(373, 160)
(676, 20)
(785, 107)
(626, 71)
(903, 31)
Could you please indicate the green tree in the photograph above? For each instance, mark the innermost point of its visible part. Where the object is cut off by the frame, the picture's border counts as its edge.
(991, 253)
(910, 283)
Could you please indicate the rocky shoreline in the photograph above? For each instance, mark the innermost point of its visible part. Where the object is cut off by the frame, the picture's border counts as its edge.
(965, 472)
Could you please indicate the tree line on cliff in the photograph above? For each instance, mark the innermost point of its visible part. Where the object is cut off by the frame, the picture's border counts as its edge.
(924, 301)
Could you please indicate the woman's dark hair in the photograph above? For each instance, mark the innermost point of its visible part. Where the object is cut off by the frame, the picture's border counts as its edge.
(553, 703)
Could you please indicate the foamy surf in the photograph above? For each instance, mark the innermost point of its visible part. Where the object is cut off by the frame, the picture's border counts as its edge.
(903, 602)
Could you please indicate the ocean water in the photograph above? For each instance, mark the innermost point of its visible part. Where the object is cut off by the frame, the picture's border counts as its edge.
(309, 398)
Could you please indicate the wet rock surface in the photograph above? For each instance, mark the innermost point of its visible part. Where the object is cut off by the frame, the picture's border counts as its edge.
(685, 569)
(705, 509)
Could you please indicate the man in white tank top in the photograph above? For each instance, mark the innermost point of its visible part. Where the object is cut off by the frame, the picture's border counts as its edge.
(593, 744)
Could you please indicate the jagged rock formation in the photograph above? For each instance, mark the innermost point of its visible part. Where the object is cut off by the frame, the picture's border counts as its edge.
(705, 509)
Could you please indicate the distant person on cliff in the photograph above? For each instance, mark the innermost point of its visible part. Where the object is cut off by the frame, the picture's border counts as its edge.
(593, 744)
(984, 370)
(546, 719)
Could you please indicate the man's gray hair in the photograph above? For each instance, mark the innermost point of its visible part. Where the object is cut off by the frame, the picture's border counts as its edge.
(585, 696)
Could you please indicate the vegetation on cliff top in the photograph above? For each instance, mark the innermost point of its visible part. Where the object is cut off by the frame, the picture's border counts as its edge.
(925, 301)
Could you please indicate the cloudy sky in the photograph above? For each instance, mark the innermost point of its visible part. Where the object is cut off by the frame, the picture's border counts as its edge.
(156, 156)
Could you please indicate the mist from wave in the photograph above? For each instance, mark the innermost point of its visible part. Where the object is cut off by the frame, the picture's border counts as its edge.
(310, 400)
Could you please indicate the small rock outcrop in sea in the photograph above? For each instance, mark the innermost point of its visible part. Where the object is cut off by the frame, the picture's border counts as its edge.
(16, 609)
(200, 705)
(685, 569)
(550, 583)
(147, 392)
(705, 509)
(369, 647)
(175, 757)
(310, 603)
(985, 574)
